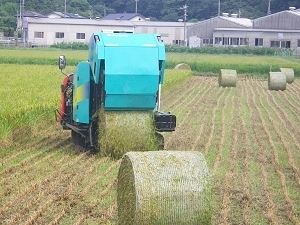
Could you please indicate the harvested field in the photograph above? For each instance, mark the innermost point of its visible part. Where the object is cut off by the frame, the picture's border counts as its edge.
(249, 136)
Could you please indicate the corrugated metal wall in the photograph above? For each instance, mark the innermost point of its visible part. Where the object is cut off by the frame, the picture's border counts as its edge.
(205, 29)
(284, 20)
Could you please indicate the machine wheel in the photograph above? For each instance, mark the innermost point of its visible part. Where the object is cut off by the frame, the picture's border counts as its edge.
(160, 140)
(79, 140)
(95, 133)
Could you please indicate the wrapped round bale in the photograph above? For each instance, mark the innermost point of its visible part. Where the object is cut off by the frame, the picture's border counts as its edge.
(124, 131)
(164, 187)
(227, 78)
(182, 66)
(289, 73)
(276, 81)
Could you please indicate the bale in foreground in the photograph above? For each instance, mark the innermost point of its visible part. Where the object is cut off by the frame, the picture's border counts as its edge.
(124, 131)
(289, 73)
(227, 78)
(163, 187)
(276, 81)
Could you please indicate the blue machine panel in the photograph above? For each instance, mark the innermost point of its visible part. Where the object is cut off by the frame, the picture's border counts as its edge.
(81, 93)
(131, 77)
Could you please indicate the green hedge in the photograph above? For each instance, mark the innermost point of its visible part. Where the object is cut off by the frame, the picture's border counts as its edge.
(71, 45)
(231, 50)
(203, 50)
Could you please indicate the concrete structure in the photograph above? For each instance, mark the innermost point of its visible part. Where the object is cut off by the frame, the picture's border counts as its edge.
(47, 31)
(281, 30)
(202, 33)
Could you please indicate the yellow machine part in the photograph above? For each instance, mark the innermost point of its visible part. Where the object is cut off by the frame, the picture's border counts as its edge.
(124, 131)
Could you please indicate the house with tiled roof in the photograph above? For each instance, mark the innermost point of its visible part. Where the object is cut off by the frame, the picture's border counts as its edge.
(32, 14)
(124, 16)
(65, 15)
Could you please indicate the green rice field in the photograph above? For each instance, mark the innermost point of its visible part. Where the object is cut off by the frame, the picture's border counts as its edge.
(248, 135)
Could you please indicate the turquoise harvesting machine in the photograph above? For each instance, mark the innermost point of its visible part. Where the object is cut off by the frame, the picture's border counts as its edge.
(124, 72)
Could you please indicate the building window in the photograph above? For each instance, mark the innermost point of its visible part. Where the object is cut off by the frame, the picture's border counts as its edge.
(226, 41)
(234, 41)
(298, 45)
(259, 42)
(218, 40)
(207, 41)
(178, 42)
(275, 44)
(285, 44)
(244, 41)
(59, 35)
(38, 34)
(80, 35)
(281, 44)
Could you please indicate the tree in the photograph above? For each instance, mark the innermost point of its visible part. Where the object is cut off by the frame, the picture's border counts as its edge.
(162, 10)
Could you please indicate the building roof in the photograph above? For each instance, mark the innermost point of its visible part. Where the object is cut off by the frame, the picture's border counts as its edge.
(241, 21)
(295, 12)
(68, 15)
(106, 22)
(291, 11)
(33, 14)
(72, 21)
(160, 23)
(121, 16)
(256, 30)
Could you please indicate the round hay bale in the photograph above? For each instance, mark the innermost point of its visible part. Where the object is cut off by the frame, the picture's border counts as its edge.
(289, 73)
(227, 78)
(276, 81)
(183, 66)
(164, 187)
(124, 131)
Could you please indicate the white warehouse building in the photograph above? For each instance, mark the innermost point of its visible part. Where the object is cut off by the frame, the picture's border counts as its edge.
(281, 30)
(48, 31)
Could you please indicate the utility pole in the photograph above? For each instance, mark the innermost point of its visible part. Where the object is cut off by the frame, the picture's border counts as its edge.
(184, 20)
(65, 8)
(22, 23)
(136, 6)
(219, 8)
(269, 8)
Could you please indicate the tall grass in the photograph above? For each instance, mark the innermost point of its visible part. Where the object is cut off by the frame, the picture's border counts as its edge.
(39, 56)
(31, 80)
(174, 77)
(31, 93)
